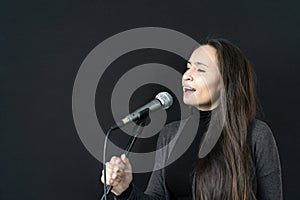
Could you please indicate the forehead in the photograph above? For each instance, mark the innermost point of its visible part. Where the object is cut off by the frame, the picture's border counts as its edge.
(205, 54)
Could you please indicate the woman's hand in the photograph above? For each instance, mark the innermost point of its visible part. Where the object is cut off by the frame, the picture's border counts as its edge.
(118, 174)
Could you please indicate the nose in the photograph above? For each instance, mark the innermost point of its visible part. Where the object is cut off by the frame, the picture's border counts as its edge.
(187, 76)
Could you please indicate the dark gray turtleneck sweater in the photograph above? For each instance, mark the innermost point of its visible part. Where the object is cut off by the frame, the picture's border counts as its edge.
(174, 181)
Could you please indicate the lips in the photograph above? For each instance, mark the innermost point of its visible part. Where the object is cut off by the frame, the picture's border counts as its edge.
(187, 88)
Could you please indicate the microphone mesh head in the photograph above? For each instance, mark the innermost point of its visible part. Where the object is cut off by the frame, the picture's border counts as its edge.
(165, 99)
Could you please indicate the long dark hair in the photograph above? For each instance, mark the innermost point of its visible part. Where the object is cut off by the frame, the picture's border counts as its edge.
(224, 174)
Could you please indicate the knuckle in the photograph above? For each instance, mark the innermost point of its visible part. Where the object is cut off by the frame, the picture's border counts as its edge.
(118, 160)
(111, 182)
(117, 169)
(107, 164)
(113, 158)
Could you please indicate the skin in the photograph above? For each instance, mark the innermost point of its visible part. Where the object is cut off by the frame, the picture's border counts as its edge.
(203, 76)
(118, 174)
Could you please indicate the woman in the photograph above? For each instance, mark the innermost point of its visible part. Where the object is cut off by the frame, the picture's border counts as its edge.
(243, 163)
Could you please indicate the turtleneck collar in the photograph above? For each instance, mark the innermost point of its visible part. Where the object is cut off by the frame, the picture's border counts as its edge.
(202, 114)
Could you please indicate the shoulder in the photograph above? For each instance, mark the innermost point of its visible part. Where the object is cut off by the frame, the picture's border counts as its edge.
(259, 131)
(263, 147)
(260, 135)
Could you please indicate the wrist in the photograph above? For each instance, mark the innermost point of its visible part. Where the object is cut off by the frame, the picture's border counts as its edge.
(126, 193)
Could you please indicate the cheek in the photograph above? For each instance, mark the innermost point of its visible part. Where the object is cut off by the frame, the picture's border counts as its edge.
(214, 89)
(208, 87)
(202, 94)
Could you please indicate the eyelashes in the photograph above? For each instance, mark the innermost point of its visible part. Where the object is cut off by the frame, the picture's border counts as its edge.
(200, 70)
(197, 68)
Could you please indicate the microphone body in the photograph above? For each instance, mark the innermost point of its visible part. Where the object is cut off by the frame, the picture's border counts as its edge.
(163, 100)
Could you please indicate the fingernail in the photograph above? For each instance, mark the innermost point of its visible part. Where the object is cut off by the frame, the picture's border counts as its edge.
(123, 156)
(114, 176)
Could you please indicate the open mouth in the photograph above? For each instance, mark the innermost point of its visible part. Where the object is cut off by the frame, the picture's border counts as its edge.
(187, 89)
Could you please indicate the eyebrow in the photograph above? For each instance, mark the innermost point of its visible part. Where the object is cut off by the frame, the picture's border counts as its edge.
(198, 63)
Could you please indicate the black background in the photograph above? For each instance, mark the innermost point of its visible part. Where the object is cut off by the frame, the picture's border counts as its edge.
(43, 44)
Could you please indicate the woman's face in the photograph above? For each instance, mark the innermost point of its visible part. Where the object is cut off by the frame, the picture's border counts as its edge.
(201, 81)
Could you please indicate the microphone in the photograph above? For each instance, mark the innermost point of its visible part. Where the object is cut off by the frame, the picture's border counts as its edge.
(163, 100)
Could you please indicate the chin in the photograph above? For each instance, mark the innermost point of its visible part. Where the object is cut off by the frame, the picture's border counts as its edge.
(190, 103)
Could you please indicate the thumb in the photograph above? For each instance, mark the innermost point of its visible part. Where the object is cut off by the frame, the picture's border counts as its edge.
(124, 158)
(128, 167)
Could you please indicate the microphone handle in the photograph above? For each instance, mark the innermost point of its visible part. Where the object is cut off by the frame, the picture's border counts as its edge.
(138, 129)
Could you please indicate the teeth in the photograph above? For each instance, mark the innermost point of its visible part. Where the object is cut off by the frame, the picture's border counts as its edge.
(188, 89)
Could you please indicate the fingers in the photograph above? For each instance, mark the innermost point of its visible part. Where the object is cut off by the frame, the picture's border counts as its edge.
(125, 160)
(110, 181)
(112, 178)
(116, 163)
(113, 167)
(116, 169)
(120, 163)
(118, 173)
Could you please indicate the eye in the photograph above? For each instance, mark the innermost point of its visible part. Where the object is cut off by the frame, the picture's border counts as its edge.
(200, 70)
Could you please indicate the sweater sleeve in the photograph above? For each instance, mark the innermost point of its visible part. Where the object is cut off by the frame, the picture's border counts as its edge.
(154, 191)
(156, 186)
(267, 162)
